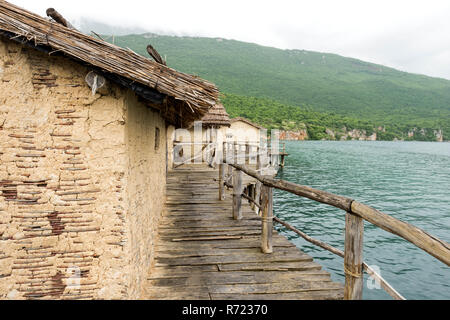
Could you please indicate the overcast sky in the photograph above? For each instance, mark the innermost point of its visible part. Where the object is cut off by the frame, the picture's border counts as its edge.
(409, 35)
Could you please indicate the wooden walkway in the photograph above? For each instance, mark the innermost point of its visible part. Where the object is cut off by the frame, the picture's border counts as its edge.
(202, 253)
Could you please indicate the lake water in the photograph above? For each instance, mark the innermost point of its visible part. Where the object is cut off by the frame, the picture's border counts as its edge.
(408, 180)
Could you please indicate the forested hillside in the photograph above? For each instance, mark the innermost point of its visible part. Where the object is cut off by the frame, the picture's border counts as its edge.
(328, 86)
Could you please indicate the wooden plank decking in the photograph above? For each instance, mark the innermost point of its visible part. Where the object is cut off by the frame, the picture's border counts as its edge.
(202, 253)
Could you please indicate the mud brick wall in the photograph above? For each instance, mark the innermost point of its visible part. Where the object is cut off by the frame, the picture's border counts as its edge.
(146, 186)
(81, 184)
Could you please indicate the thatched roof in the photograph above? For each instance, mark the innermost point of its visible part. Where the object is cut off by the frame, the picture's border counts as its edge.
(247, 122)
(192, 96)
(216, 116)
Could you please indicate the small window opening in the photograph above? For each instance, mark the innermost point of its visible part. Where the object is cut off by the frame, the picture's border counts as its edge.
(157, 138)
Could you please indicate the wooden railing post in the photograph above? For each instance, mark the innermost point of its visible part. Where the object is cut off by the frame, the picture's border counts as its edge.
(221, 181)
(224, 152)
(237, 194)
(283, 155)
(251, 194)
(235, 152)
(258, 159)
(353, 257)
(267, 219)
(247, 153)
(258, 183)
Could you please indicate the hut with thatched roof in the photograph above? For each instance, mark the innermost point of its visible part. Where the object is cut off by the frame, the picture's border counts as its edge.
(217, 117)
(83, 158)
(244, 130)
(215, 122)
(204, 138)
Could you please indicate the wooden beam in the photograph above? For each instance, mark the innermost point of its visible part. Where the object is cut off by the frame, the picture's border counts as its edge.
(302, 191)
(55, 15)
(310, 239)
(155, 55)
(353, 257)
(429, 243)
(434, 246)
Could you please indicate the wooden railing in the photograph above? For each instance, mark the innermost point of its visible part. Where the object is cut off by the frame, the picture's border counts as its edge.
(246, 153)
(206, 152)
(355, 215)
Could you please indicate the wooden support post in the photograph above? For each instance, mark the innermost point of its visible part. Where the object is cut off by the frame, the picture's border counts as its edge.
(258, 160)
(238, 156)
(274, 159)
(353, 257)
(247, 153)
(237, 194)
(267, 219)
(224, 152)
(258, 183)
(251, 194)
(221, 181)
(282, 161)
(230, 174)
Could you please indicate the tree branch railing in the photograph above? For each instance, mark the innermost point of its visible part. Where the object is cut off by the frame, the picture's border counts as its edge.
(355, 215)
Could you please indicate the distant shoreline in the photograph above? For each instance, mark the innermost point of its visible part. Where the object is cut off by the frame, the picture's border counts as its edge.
(306, 140)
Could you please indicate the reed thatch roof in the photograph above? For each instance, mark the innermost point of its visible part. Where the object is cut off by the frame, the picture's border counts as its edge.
(216, 116)
(192, 96)
(247, 122)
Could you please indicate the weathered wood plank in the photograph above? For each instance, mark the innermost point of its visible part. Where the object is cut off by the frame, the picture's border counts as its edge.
(253, 288)
(246, 242)
(215, 280)
(271, 266)
(206, 238)
(241, 276)
(198, 252)
(205, 260)
(315, 295)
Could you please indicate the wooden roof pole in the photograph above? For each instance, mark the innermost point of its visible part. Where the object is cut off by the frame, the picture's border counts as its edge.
(55, 15)
(155, 55)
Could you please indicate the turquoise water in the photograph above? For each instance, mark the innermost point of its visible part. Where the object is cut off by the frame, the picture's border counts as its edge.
(408, 180)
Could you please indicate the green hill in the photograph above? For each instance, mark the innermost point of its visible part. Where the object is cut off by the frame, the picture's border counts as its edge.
(319, 82)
